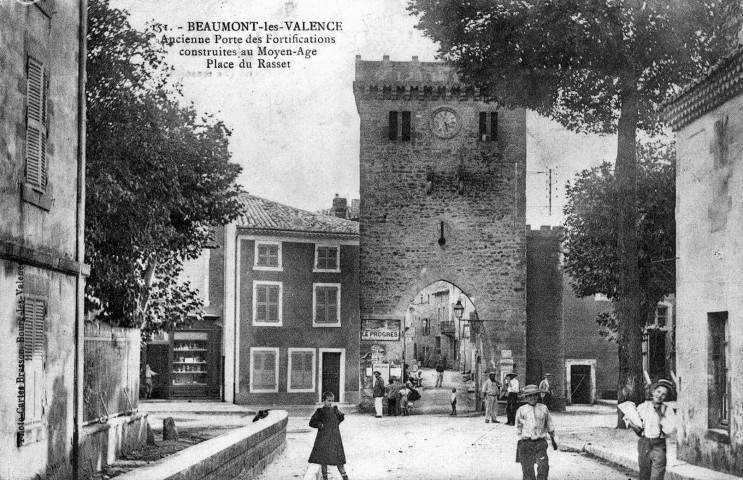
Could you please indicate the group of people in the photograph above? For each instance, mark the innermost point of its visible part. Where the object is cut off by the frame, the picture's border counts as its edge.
(397, 394)
(492, 390)
(532, 420)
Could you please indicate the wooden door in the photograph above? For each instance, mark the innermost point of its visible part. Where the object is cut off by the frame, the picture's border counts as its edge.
(580, 384)
(331, 373)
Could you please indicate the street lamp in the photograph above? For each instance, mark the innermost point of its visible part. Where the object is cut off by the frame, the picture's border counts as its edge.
(458, 310)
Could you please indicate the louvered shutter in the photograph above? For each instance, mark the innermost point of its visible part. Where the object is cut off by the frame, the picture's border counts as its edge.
(34, 328)
(36, 118)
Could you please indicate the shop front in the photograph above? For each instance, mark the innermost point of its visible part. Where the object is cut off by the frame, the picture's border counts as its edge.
(187, 362)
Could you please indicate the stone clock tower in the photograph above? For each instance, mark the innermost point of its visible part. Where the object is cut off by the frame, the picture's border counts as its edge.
(442, 198)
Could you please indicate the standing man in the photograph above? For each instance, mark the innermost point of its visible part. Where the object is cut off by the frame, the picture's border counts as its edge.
(512, 393)
(393, 391)
(440, 373)
(534, 426)
(658, 421)
(546, 388)
(491, 391)
(378, 393)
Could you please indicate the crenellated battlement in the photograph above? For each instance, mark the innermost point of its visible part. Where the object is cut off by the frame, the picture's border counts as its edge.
(544, 231)
(413, 80)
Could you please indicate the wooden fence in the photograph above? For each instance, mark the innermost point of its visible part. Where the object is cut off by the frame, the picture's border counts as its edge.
(111, 371)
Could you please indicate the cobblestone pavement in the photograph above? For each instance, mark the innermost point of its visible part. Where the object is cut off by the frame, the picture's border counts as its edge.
(436, 446)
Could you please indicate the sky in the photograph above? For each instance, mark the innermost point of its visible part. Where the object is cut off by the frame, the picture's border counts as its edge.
(295, 131)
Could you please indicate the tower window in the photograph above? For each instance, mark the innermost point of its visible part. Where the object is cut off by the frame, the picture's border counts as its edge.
(488, 129)
(393, 126)
(405, 126)
(399, 129)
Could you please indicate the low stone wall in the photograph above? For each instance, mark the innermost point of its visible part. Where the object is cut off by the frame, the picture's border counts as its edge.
(241, 453)
(103, 443)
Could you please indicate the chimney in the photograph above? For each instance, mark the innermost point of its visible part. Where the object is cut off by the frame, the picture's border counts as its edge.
(340, 207)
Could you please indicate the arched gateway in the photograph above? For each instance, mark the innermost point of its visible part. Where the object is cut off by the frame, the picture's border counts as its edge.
(442, 198)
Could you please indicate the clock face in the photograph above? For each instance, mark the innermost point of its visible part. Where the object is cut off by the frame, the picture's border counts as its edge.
(445, 122)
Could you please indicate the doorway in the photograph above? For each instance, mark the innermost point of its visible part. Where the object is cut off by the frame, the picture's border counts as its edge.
(157, 357)
(581, 381)
(580, 388)
(656, 353)
(332, 372)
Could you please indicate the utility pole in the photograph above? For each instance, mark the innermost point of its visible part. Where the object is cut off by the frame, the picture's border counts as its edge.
(548, 172)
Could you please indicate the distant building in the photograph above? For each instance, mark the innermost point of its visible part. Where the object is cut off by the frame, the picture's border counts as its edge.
(433, 332)
(41, 226)
(707, 119)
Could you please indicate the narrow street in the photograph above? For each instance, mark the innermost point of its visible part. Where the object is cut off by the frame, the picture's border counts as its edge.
(429, 444)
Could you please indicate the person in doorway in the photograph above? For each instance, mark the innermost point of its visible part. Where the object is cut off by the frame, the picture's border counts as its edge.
(512, 397)
(658, 421)
(328, 447)
(453, 401)
(148, 382)
(393, 392)
(545, 386)
(378, 393)
(440, 373)
(491, 391)
(534, 426)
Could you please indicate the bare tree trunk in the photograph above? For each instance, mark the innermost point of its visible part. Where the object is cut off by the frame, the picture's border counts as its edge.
(628, 306)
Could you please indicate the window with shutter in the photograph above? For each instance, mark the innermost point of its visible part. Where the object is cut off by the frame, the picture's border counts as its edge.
(326, 303)
(36, 125)
(719, 376)
(264, 370)
(267, 256)
(301, 370)
(34, 345)
(267, 309)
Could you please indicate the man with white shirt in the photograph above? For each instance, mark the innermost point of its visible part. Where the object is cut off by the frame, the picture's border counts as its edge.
(490, 390)
(512, 396)
(534, 426)
(658, 421)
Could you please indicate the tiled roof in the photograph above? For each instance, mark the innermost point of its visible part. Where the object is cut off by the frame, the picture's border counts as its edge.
(718, 85)
(270, 217)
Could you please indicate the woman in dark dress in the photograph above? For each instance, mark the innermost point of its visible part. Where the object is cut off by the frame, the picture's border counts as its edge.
(328, 448)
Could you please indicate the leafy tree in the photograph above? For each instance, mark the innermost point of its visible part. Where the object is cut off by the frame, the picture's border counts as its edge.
(591, 236)
(601, 66)
(158, 178)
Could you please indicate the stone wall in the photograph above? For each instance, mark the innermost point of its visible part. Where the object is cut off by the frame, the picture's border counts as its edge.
(545, 339)
(103, 443)
(473, 190)
(242, 453)
(709, 248)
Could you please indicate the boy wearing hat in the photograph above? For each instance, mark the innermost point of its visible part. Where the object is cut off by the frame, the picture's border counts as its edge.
(490, 390)
(534, 426)
(658, 421)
